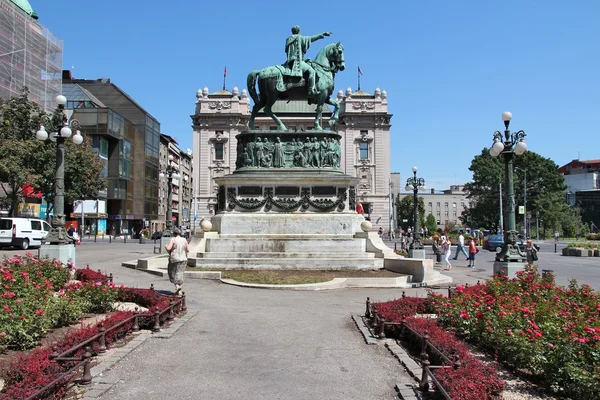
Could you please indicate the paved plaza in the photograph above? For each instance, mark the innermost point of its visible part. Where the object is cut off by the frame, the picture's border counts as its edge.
(272, 344)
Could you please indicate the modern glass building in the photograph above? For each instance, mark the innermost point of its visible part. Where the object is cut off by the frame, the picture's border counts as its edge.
(127, 138)
(30, 55)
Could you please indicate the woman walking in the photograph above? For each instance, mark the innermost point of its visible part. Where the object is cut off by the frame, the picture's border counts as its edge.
(447, 246)
(178, 249)
(531, 252)
(472, 251)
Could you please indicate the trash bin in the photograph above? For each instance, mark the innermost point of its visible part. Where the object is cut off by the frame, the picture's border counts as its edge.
(142, 239)
(438, 257)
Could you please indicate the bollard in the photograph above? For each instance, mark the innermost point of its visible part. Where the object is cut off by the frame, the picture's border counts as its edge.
(124, 238)
(86, 379)
(555, 247)
(424, 384)
(170, 316)
(478, 283)
(110, 277)
(381, 334)
(54, 350)
(156, 327)
(402, 326)
(109, 238)
(102, 339)
(395, 246)
(375, 321)
(368, 308)
(425, 339)
(136, 325)
(449, 292)
(403, 294)
(183, 303)
(456, 363)
(95, 238)
(152, 286)
(466, 285)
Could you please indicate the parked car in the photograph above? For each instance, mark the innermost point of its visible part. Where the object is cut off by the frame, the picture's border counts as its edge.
(22, 232)
(156, 235)
(493, 243)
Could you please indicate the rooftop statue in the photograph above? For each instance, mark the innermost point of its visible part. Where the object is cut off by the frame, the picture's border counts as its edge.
(298, 78)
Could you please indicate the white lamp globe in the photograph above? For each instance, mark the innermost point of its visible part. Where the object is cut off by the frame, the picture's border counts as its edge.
(77, 138)
(65, 132)
(506, 116)
(408, 188)
(53, 136)
(170, 157)
(175, 175)
(414, 169)
(61, 100)
(422, 187)
(497, 148)
(41, 134)
(161, 175)
(520, 148)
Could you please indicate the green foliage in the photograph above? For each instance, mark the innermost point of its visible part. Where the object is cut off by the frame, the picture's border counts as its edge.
(431, 223)
(25, 160)
(98, 297)
(404, 207)
(545, 192)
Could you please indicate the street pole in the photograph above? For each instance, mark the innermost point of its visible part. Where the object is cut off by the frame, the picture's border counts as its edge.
(537, 225)
(416, 248)
(169, 221)
(525, 204)
(390, 213)
(501, 218)
(509, 260)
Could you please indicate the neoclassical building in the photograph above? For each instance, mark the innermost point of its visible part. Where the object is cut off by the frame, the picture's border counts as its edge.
(364, 125)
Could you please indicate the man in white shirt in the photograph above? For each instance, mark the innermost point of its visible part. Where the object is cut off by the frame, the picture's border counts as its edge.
(460, 246)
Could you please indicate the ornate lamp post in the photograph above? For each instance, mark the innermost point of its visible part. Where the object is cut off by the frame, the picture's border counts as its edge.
(416, 248)
(510, 259)
(171, 172)
(60, 131)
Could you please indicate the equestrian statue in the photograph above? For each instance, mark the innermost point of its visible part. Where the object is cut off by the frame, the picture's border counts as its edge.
(298, 78)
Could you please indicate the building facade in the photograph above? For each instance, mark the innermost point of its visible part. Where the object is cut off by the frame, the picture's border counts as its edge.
(446, 205)
(582, 180)
(364, 124)
(30, 55)
(127, 137)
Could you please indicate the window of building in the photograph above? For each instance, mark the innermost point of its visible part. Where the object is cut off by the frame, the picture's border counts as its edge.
(272, 128)
(437, 204)
(446, 204)
(364, 133)
(446, 213)
(218, 151)
(430, 204)
(453, 205)
(454, 213)
(438, 214)
(364, 150)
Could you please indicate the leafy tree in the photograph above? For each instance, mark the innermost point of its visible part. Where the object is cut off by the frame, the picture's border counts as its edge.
(26, 160)
(544, 185)
(19, 120)
(449, 226)
(431, 223)
(404, 208)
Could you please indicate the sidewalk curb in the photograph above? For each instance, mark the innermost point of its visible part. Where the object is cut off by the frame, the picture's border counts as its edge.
(100, 383)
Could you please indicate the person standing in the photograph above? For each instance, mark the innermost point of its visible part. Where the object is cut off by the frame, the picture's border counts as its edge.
(472, 252)
(531, 252)
(460, 246)
(178, 249)
(447, 246)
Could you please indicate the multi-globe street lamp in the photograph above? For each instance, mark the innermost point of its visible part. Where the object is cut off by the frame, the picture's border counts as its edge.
(415, 184)
(171, 171)
(509, 144)
(60, 129)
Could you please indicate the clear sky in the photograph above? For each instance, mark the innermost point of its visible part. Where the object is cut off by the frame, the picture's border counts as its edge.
(450, 68)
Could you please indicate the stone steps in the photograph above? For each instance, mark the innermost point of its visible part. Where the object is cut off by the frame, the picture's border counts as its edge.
(284, 245)
(356, 262)
(336, 255)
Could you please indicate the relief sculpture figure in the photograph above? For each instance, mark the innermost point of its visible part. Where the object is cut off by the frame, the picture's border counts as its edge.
(278, 161)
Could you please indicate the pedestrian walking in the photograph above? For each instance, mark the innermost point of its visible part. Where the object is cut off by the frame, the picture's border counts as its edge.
(460, 246)
(447, 246)
(531, 251)
(472, 252)
(178, 249)
(556, 236)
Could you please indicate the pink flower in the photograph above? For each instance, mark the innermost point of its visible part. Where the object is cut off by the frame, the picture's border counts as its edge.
(18, 301)
(7, 308)
(39, 312)
(550, 345)
(509, 331)
(98, 283)
(2, 334)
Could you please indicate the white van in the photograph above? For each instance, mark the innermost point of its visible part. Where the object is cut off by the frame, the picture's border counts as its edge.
(22, 232)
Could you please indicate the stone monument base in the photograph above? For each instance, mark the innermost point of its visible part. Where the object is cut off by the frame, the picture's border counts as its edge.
(63, 252)
(509, 269)
(416, 253)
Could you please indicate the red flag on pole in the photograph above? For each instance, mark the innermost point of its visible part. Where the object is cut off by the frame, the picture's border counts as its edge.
(359, 70)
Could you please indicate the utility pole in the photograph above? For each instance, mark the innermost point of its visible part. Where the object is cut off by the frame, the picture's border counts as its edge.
(525, 203)
(537, 225)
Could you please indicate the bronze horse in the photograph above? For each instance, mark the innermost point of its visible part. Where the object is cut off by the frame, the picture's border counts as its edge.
(271, 79)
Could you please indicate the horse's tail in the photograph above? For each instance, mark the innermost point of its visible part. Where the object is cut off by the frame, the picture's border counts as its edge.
(251, 82)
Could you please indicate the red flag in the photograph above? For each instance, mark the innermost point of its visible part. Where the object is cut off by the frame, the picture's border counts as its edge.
(359, 70)
(225, 71)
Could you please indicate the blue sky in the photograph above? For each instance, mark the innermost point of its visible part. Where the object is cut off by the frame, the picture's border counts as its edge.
(450, 68)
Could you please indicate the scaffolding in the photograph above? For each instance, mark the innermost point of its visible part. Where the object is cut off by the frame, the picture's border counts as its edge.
(30, 56)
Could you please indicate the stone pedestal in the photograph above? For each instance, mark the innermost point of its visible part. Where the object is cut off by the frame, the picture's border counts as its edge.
(508, 268)
(416, 253)
(63, 252)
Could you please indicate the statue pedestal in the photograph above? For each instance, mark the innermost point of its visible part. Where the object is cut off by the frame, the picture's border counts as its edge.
(63, 252)
(508, 268)
(416, 253)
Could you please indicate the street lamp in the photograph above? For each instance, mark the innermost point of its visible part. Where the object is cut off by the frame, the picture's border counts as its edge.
(509, 260)
(525, 230)
(416, 248)
(60, 129)
(171, 172)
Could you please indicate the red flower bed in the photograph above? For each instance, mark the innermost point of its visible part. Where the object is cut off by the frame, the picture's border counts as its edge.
(89, 275)
(29, 373)
(474, 380)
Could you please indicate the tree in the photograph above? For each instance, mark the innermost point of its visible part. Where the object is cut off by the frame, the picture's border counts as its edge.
(431, 223)
(404, 208)
(19, 120)
(26, 160)
(544, 185)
